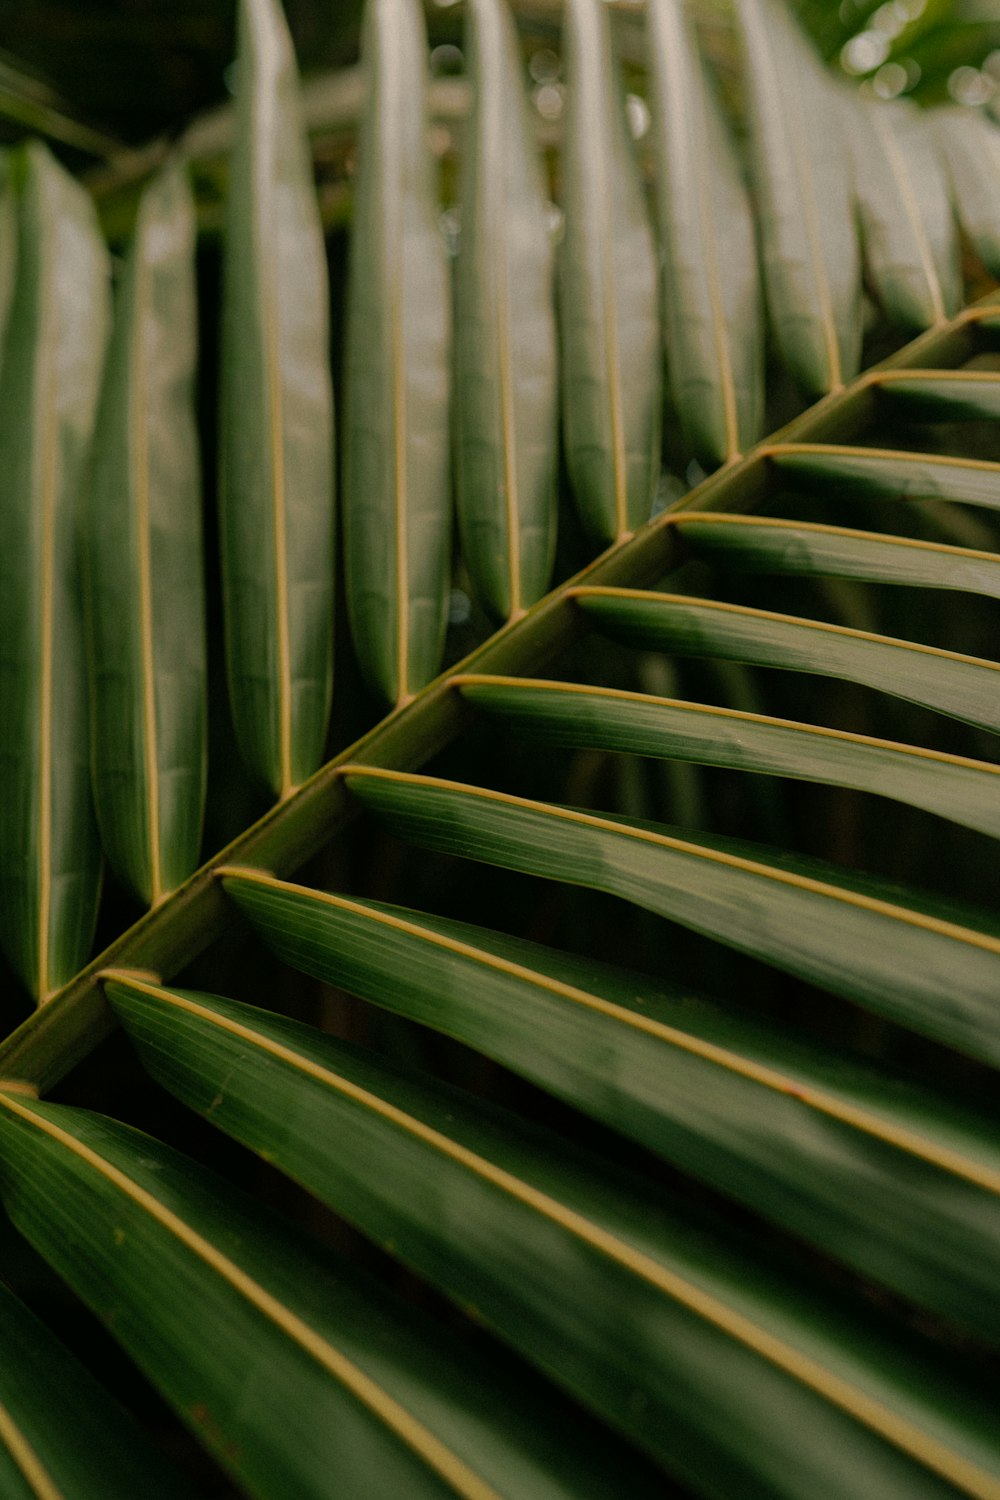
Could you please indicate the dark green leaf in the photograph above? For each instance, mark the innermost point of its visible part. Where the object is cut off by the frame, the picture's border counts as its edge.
(963, 686)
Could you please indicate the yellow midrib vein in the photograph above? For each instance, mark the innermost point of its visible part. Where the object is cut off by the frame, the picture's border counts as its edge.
(763, 1075)
(141, 481)
(911, 206)
(272, 359)
(773, 1349)
(49, 437)
(408, 1429)
(26, 1459)
(494, 164)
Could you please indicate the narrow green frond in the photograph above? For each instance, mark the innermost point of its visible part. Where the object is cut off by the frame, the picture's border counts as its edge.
(506, 380)
(397, 481)
(802, 175)
(141, 536)
(966, 687)
(276, 494)
(609, 294)
(966, 791)
(861, 942)
(722, 1097)
(907, 228)
(61, 1435)
(712, 298)
(941, 395)
(886, 474)
(768, 544)
(699, 1353)
(49, 855)
(970, 144)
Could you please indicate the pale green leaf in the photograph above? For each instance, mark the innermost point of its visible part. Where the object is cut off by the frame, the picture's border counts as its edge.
(802, 175)
(907, 228)
(712, 299)
(970, 145)
(49, 855)
(276, 498)
(397, 523)
(609, 296)
(143, 564)
(506, 383)
(887, 474)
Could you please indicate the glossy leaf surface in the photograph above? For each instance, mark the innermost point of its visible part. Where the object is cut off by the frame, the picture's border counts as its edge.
(49, 855)
(966, 791)
(712, 301)
(321, 1379)
(397, 524)
(907, 228)
(609, 294)
(276, 515)
(850, 935)
(802, 175)
(527, 1230)
(143, 562)
(889, 474)
(769, 545)
(963, 686)
(875, 1178)
(79, 1447)
(944, 395)
(506, 380)
(971, 148)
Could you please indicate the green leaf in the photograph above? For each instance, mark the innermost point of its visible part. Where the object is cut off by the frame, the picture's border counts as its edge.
(970, 145)
(61, 1435)
(301, 1379)
(143, 566)
(963, 686)
(397, 522)
(811, 261)
(874, 1174)
(966, 791)
(49, 855)
(941, 395)
(276, 494)
(506, 386)
(906, 221)
(852, 937)
(609, 301)
(886, 474)
(767, 544)
(712, 302)
(650, 1322)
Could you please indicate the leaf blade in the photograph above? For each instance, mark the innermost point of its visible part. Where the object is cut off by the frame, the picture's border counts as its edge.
(276, 491)
(397, 518)
(142, 519)
(506, 386)
(49, 856)
(609, 302)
